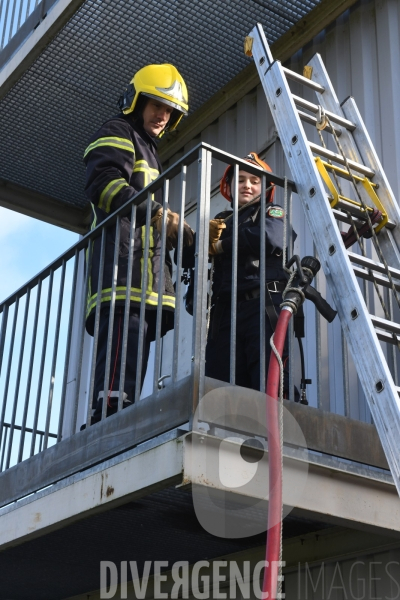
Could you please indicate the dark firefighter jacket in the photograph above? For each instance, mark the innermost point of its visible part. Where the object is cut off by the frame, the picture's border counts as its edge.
(121, 159)
(250, 230)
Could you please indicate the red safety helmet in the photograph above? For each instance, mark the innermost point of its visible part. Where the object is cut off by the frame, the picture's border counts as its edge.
(225, 184)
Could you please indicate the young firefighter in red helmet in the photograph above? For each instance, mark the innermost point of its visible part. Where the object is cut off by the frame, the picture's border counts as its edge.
(121, 159)
(251, 226)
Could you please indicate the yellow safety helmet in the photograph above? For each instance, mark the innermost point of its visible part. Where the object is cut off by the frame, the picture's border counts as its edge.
(161, 82)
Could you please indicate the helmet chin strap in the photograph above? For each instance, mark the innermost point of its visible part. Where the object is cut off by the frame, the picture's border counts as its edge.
(256, 199)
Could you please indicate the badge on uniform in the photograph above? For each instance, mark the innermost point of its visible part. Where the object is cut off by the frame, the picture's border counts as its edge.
(276, 212)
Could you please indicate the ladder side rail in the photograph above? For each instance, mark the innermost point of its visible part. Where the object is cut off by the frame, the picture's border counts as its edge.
(371, 365)
(358, 147)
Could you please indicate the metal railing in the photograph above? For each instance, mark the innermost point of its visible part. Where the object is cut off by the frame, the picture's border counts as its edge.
(18, 19)
(48, 361)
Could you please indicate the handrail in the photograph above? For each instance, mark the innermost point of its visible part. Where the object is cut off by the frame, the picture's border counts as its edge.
(124, 210)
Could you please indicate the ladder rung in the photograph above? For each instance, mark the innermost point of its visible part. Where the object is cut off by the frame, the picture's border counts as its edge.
(384, 336)
(300, 79)
(385, 324)
(341, 216)
(344, 173)
(373, 265)
(339, 159)
(332, 117)
(313, 121)
(380, 279)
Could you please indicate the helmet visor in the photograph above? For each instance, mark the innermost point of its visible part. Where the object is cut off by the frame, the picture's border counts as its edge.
(167, 102)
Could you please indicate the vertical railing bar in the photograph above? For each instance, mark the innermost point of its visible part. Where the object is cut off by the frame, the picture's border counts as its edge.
(235, 207)
(289, 247)
(18, 378)
(157, 358)
(369, 302)
(138, 383)
(68, 346)
(263, 341)
(392, 348)
(5, 25)
(207, 201)
(21, 4)
(7, 379)
(1, 21)
(55, 353)
(4, 322)
(40, 442)
(96, 327)
(82, 330)
(318, 340)
(199, 338)
(42, 362)
(4, 449)
(12, 20)
(111, 319)
(179, 276)
(27, 9)
(345, 371)
(127, 307)
(30, 370)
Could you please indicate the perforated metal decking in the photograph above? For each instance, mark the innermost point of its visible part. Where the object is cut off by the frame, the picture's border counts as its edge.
(47, 118)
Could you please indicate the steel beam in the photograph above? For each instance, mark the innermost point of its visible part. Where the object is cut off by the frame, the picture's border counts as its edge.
(46, 208)
(327, 493)
(115, 482)
(161, 412)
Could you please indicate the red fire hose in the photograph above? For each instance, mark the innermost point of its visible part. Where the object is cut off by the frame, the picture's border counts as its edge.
(275, 461)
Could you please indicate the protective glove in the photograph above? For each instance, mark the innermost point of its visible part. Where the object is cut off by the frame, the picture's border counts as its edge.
(172, 228)
(216, 227)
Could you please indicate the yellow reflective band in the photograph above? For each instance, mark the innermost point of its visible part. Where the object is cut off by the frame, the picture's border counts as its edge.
(92, 226)
(114, 142)
(109, 192)
(135, 296)
(151, 254)
(150, 174)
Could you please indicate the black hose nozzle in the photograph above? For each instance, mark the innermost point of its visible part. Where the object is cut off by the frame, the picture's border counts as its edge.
(307, 268)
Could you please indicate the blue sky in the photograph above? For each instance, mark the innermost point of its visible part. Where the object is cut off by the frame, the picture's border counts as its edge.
(26, 247)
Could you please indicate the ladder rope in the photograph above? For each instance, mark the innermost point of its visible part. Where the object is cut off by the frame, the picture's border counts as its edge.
(326, 121)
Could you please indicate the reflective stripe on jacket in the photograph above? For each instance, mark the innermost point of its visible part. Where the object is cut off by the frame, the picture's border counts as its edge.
(121, 159)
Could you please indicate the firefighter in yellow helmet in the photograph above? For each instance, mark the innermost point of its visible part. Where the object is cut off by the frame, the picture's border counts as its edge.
(121, 159)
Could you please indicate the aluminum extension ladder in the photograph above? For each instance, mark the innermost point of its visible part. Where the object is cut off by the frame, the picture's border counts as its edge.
(312, 167)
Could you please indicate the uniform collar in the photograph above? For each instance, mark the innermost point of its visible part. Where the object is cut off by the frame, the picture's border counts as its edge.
(138, 127)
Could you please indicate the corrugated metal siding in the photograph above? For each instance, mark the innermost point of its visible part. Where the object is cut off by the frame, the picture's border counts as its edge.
(363, 578)
(361, 52)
